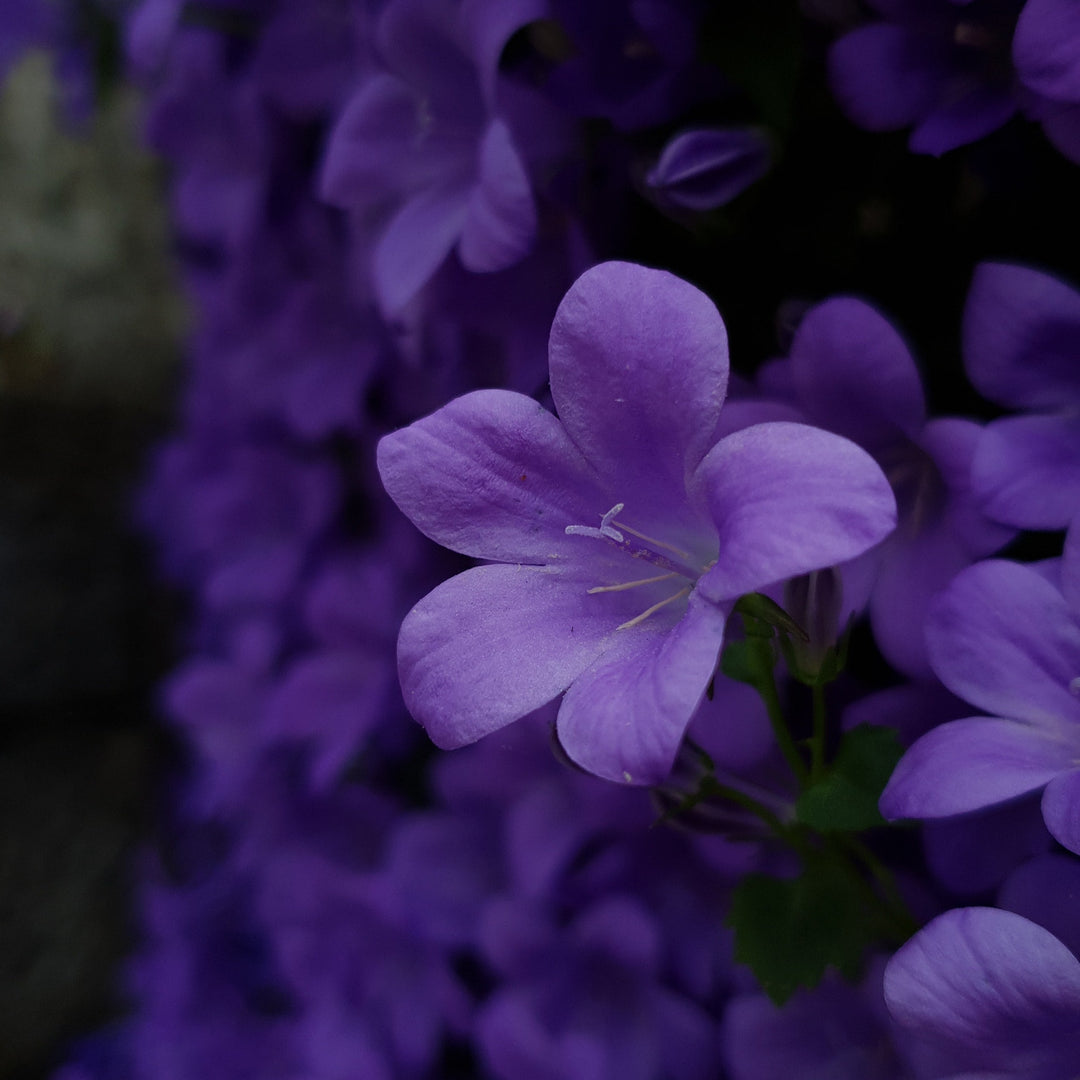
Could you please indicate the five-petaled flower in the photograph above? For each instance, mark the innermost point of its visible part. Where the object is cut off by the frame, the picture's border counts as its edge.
(617, 535)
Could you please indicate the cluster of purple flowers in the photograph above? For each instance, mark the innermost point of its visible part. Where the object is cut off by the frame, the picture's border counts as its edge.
(402, 226)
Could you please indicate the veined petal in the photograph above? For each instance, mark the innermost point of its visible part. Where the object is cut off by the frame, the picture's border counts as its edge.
(994, 983)
(497, 642)
(1003, 638)
(1026, 470)
(1019, 337)
(492, 475)
(639, 369)
(787, 499)
(855, 375)
(970, 764)
(625, 715)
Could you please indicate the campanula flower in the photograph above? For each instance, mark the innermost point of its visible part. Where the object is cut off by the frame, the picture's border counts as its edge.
(617, 535)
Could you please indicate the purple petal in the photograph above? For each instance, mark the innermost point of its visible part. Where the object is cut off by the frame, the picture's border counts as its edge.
(787, 499)
(1026, 470)
(492, 475)
(914, 569)
(639, 368)
(951, 444)
(971, 764)
(974, 853)
(855, 375)
(1046, 890)
(624, 717)
(977, 113)
(886, 77)
(371, 146)
(992, 982)
(708, 167)
(1046, 48)
(416, 241)
(1020, 332)
(1070, 566)
(497, 642)
(1061, 809)
(1002, 637)
(333, 699)
(501, 220)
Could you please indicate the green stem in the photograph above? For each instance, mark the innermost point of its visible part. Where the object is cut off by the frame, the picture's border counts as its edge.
(767, 690)
(747, 802)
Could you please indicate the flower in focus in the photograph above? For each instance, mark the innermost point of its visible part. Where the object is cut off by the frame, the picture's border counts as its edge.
(618, 535)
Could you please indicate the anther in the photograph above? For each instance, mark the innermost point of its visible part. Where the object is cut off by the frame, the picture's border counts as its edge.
(605, 529)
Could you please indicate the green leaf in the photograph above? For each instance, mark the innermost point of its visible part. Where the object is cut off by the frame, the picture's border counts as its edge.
(789, 932)
(750, 661)
(846, 798)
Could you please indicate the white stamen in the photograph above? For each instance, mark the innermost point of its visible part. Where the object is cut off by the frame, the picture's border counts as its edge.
(656, 607)
(605, 529)
(630, 584)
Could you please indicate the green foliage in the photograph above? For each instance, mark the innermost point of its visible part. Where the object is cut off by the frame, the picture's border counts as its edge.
(790, 931)
(845, 799)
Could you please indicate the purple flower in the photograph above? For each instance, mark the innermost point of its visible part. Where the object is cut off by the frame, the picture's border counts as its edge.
(620, 535)
(424, 141)
(1000, 992)
(586, 1000)
(1021, 342)
(852, 373)
(1046, 52)
(1008, 640)
(708, 167)
(940, 67)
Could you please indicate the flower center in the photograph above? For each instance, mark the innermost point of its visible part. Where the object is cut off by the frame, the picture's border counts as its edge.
(675, 562)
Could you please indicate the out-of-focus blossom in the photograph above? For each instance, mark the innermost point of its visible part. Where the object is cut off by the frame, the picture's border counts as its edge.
(424, 148)
(605, 526)
(1006, 639)
(1046, 51)
(851, 372)
(942, 68)
(1021, 350)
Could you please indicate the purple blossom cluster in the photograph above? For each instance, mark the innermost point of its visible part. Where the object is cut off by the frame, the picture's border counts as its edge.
(403, 229)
